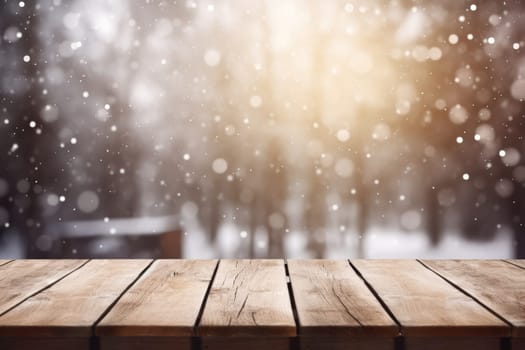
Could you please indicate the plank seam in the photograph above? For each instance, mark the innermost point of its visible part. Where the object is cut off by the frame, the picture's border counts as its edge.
(294, 342)
(376, 295)
(513, 264)
(458, 287)
(46, 287)
(292, 297)
(205, 300)
(108, 309)
(6, 262)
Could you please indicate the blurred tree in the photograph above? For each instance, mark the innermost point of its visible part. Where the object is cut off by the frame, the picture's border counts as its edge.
(25, 170)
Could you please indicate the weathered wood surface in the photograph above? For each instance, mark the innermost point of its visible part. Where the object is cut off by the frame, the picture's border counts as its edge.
(331, 299)
(165, 301)
(73, 305)
(22, 278)
(336, 309)
(425, 304)
(262, 304)
(248, 298)
(248, 307)
(496, 284)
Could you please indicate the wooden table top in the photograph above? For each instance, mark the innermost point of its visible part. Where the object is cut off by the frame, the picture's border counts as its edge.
(193, 304)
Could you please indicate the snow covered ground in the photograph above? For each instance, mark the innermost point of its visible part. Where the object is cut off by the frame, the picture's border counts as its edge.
(379, 243)
(11, 246)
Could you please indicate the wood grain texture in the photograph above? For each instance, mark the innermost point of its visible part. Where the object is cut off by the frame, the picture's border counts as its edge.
(70, 307)
(20, 279)
(496, 284)
(165, 301)
(331, 299)
(517, 262)
(425, 304)
(248, 298)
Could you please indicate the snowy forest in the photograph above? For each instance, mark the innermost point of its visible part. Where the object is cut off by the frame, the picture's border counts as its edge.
(294, 128)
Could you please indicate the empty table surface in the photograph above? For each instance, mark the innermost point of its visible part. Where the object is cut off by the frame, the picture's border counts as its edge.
(277, 304)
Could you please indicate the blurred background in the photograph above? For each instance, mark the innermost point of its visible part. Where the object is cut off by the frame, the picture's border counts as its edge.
(266, 128)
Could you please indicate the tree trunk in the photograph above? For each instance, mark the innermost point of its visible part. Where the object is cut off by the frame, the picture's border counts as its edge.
(253, 225)
(518, 222)
(434, 217)
(363, 202)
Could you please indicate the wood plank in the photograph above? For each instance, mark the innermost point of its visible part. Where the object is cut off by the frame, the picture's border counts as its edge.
(22, 278)
(248, 298)
(424, 304)
(70, 307)
(332, 300)
(517, 262)
(496, 284)
(4, 261)
(165, 301)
